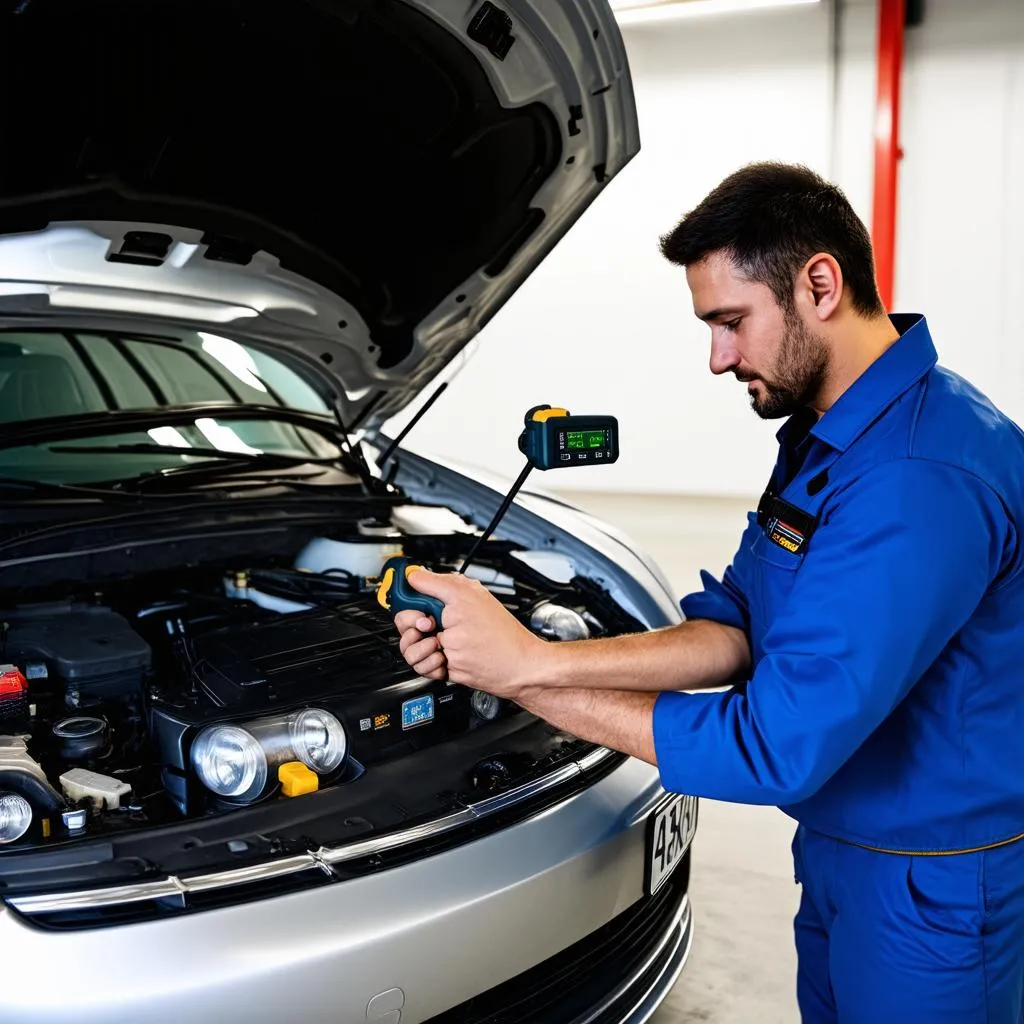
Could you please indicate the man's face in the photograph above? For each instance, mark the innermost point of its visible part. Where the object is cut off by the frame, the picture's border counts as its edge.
(783, 363)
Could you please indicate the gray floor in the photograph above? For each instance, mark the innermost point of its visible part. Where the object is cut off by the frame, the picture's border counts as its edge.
(743, 967)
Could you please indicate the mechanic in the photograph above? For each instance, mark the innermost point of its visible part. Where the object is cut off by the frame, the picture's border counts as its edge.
(862, 658)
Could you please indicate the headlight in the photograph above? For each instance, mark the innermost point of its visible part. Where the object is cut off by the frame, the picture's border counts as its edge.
(230, 762)
(485, 705)
(559, 623)
(236, 761)
(15, 817)
(318, 740)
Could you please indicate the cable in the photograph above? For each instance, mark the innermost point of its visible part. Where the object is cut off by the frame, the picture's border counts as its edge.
(502, 509)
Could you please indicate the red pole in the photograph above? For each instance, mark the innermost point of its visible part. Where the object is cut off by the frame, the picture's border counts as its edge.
(891, 19)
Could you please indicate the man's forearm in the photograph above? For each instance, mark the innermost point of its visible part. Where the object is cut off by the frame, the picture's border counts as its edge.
(697, 655)
(618, 719)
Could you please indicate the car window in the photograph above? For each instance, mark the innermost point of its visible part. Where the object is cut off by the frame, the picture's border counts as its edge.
(54, 374)
(130, 390)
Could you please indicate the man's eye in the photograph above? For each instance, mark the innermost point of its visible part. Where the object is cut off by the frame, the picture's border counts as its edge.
(733, 325)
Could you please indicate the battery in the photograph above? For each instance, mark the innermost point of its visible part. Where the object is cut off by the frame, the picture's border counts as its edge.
(13, 694)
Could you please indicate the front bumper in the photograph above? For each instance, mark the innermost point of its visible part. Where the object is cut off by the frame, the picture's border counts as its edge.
(440, 930)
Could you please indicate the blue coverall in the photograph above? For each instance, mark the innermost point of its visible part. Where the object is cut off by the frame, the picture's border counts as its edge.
(881, 584)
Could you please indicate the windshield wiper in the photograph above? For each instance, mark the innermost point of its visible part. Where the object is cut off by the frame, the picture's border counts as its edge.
(86, 425)
(221, 464)
(42, 488)
(262, 458)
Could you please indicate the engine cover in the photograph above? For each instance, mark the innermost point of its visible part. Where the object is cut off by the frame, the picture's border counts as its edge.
(290, 658)
(87, 648)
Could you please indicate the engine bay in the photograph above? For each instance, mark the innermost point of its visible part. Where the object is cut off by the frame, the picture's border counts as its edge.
(178, 695)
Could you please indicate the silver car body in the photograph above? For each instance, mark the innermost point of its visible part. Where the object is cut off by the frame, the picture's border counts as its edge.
(432, 933)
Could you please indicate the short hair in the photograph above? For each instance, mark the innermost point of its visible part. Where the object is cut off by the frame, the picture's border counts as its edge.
(770, 219)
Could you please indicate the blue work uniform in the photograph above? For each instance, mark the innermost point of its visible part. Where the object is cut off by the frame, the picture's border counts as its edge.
(881, 585)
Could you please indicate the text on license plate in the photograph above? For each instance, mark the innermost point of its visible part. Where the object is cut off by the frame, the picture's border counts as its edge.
(670, 831)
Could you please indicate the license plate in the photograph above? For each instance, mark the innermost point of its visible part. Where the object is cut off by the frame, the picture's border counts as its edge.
(669, 835)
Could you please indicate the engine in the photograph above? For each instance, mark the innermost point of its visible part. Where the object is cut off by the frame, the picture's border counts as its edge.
(221, 686)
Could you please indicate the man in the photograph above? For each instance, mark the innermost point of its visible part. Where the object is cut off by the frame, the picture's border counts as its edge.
(871, 624)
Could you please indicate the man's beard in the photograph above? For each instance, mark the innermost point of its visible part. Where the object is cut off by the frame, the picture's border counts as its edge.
(799, 373)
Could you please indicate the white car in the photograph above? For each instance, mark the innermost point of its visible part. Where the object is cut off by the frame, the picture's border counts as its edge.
(236, 238)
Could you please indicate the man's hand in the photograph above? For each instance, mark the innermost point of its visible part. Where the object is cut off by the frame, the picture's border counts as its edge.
(480, 644)
(423, 652)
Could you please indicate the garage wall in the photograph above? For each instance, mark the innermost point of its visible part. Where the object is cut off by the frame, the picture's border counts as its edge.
(961, 217)
(605, 325)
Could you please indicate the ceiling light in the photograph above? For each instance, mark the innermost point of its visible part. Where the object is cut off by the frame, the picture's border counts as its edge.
(633, 12)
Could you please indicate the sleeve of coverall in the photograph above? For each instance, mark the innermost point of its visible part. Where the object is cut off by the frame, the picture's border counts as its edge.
(724, 601)
(903, 562)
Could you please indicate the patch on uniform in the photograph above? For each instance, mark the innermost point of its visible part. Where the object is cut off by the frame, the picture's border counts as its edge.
(785, 524)
(785, 535)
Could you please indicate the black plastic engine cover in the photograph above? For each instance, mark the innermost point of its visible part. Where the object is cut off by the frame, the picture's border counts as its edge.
(290, 658)
(87, 647)
(255, 664)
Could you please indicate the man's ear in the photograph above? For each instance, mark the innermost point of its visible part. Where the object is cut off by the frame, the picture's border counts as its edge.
(821, 281)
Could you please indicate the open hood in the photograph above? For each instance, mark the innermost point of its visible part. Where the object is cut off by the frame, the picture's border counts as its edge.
(356, 184)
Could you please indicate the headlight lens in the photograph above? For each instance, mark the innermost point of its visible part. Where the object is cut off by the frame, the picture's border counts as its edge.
(559, 623)
(230, 761)
(15, 817)
(485, 705)
(236, 761)
(318, 740)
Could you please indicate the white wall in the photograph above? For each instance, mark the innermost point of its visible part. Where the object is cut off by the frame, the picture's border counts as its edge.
(960, 219)
(961, 205)
(605, 325)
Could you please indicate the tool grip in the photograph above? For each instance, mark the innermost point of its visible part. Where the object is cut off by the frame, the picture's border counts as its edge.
(397, 595)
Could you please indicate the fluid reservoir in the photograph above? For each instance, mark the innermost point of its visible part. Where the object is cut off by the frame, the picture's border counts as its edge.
(359, 556)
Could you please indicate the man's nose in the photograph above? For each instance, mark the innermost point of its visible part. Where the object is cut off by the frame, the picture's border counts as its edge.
(724, 356)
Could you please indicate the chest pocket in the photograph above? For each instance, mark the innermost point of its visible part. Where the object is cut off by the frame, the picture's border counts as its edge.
(773, 574)
(777, 552)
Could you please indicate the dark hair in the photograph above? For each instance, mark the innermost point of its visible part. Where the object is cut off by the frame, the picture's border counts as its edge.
(770, 219)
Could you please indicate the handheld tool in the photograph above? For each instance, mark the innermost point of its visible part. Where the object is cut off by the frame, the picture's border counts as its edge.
(395, 594)
(552, 438)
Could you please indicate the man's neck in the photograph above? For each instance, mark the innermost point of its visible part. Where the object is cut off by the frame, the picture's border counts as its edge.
(859, 349)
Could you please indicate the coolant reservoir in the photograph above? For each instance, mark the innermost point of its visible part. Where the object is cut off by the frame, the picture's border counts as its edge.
(237, 586)
(361, 557)
(100, 789)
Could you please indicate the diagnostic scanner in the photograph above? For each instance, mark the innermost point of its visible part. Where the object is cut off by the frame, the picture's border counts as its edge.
(395, 594)
(551, 439)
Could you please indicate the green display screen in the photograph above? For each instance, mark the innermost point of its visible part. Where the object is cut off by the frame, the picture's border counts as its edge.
(584, 439)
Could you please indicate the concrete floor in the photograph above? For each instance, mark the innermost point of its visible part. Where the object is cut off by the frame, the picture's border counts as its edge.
(742, 967)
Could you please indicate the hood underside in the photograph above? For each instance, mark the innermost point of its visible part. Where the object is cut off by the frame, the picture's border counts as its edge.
(361, 183)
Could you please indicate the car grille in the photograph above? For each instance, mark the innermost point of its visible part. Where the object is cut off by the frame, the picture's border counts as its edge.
(567, 987)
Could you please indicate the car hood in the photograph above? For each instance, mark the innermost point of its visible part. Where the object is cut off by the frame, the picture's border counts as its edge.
(357, 185)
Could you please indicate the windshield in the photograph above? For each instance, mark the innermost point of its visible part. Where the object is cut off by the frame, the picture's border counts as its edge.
(57, 374)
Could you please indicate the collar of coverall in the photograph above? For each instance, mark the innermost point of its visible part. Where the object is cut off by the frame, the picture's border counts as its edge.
(897, 370)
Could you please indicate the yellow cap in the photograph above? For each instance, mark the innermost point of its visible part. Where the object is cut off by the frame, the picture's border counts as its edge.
(296, 779)
(543, 415)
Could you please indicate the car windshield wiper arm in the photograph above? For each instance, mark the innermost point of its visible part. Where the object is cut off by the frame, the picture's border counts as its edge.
(43, 488)
(85, 425)
(260, 458)
(221, 464)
